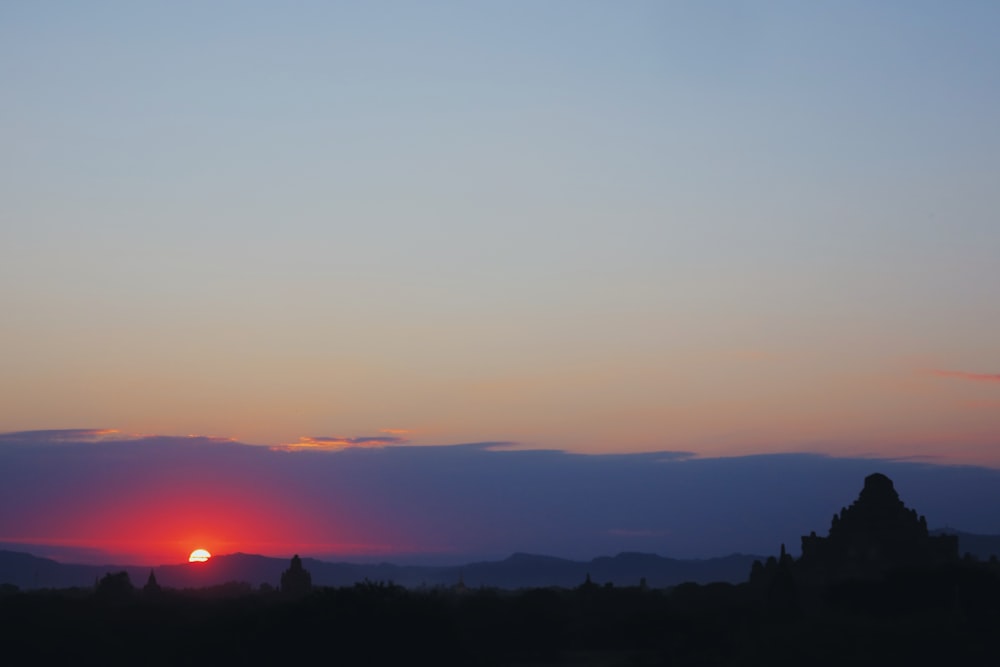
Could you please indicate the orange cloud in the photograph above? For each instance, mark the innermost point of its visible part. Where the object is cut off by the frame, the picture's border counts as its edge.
(337, 443)
(212, 438)
(962, 375)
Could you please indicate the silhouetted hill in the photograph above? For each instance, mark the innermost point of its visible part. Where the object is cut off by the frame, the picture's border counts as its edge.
(517, 571)
(27, 571)
(220, 569)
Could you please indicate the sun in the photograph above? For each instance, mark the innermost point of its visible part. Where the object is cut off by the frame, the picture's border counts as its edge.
(199, 556)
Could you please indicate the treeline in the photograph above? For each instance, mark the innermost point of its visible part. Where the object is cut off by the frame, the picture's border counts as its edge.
(950, 615)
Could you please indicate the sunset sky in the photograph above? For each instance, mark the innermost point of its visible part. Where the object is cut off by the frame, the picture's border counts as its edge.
(726, 229)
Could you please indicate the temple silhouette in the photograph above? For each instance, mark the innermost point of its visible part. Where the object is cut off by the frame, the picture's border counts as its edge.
(875, 535)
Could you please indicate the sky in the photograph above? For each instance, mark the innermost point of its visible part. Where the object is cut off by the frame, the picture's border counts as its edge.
(729, 229)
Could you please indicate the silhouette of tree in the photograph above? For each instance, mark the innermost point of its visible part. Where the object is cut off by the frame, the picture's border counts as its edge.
(115, 586)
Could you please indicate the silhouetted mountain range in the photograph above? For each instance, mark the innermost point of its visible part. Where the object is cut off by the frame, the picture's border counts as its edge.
(517, 571)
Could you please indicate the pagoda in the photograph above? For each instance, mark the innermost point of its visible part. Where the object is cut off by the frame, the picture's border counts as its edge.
(877, 533)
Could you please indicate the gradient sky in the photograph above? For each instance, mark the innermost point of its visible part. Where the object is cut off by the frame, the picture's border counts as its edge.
(722, 228)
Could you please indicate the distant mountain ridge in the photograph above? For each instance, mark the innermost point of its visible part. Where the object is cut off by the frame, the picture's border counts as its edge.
(519, 570)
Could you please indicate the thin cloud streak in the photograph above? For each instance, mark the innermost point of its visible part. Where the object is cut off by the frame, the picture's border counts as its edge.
(61, 435)
(963, 375)
(625, 532)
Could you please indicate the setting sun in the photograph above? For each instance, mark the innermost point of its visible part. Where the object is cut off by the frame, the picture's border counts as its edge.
(199, 556)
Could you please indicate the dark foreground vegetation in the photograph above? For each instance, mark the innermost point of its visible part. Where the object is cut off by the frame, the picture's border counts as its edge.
(879, 589)
(950, 615)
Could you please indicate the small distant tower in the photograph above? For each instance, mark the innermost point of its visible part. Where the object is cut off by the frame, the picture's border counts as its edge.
(151, 588)
(587, 584)
(296, 580)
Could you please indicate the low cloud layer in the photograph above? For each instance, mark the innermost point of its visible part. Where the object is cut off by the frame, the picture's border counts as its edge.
(453, 502)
